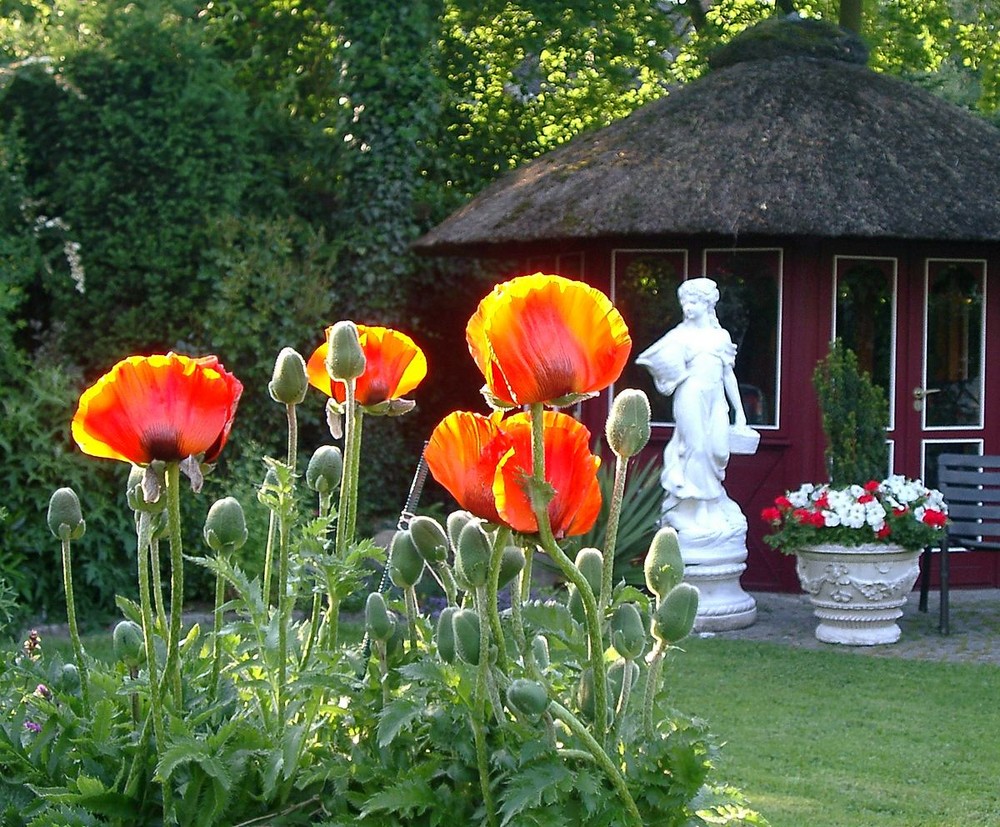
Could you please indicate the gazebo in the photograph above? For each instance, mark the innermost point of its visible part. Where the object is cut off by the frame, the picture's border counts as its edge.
(826, 200)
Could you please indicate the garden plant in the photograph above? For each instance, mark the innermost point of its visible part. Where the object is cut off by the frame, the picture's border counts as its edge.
(548, 712)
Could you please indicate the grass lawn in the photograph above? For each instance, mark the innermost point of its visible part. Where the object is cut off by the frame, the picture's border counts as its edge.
(840, 739)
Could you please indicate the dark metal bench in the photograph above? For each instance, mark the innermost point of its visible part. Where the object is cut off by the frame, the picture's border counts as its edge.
(971, 488)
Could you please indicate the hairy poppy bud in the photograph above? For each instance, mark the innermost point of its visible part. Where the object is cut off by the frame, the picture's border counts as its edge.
(225, 526)
(674, 617)
(590, 562)
(465, 623)
(628, 634)
(528, 698)
(69, 678)
(456, 522)
(405, 563)
(445, 637)
(378, 622)
(511, 562)
(127, 643)
(620, 671)
(574, 602)
(325, 469)
(345, 358)
(585, 694)
(664, 566)
(289, 381)
(472, 557)
(65, 518)
(430, 539)
(627, 428)
(540, 650)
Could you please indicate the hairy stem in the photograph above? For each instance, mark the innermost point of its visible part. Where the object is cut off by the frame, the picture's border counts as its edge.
(611, 538)
(172, 669)
(74, 632)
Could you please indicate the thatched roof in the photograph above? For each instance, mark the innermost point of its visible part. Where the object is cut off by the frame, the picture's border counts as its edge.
(789, 146)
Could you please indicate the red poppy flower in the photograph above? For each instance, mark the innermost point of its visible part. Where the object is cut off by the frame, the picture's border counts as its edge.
(462, 454)
(158, 408)
(570, 468)
(394, 366)
(543, 338)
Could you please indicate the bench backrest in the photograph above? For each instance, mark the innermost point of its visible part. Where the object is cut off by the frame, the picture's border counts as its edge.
(971, 488)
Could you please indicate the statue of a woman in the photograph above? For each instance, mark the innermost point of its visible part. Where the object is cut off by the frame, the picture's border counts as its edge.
(694, 363)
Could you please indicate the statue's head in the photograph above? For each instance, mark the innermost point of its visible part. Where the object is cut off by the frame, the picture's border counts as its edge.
(701, 288)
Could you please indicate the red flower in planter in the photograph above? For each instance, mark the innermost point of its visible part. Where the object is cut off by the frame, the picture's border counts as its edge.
(158, 408)
(544, 338)
(394, 366)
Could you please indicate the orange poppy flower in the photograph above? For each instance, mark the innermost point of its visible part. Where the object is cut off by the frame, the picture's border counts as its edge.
(463, 453)
(543, 338)
(570, 468)
(158, 408)
(394, 367)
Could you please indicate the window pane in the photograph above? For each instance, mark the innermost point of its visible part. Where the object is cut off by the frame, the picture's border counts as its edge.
(864, 314)
(749, 288)
(645, 288)
(954, 356)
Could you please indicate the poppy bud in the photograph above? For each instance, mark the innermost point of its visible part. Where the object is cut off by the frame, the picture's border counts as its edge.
(674, 617)
(590, 562)
(128, 644)
(345, 358)
(627, 427)
(289, 380)
(430, 539)
(456, 522)
(511, 562)
(528, 698)
(65, 518)
(628, 634)
(325, 469)
(620, 671)
(69, 677)
(405, 563)
(540, 650)
(135, 494)
(472, 557)
(225, 526)
(465, 623)
(664, 566)
(445, 637)
(585, 694)
(378, 622)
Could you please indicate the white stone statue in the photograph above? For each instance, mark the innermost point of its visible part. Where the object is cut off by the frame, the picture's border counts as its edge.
(694, 363)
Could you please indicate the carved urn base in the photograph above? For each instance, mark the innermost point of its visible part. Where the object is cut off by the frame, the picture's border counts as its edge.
(858, 592)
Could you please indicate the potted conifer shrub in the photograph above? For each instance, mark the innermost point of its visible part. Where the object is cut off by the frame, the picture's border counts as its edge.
(858, 537)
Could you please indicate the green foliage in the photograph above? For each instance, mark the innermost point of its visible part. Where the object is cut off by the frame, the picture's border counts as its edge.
(855, 416)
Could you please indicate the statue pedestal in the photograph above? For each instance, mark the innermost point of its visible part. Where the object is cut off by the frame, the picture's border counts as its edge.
(713, 543)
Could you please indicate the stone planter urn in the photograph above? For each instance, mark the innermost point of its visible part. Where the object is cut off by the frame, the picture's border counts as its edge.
(858, 592)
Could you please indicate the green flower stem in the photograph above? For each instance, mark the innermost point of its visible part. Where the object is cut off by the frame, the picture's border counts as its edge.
(529, 556)
(272, 530)
(410, 598)
(74, 632)
(571, 573)
(517, 619)
(611, 537)
(293, 437)
(172, 669)
(652, 686)
(601, 757)
(492, 587)
(220, 596)
(155, 698)
(479, 713)
(154, 568)
(285, 601)
(622, 707)
(349, 480)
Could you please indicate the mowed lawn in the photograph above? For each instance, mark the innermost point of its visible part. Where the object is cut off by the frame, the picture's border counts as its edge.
(842, 739)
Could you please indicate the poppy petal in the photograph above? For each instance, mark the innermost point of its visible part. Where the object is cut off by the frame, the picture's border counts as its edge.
(540, 338)
(164, 407)
(462, 454)
(570, 468)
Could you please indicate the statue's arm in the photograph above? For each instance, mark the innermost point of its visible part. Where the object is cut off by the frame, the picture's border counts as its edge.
(732, 388)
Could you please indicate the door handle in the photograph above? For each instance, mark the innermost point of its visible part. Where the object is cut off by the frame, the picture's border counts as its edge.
(919, 394)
